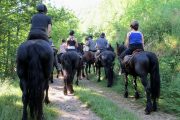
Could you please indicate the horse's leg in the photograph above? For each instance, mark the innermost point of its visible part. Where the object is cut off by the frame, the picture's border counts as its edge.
(83, 69)
(65, 82)
(51, 77)
(70, 83)
(89, 67)
(99, 73)
(148, 97)
(135, 88)
(78, 74)
(24, 98)
(65, 86)
(94, 67)
(46, 97)
(154, 104)
(126, 86)
(61, 70)
(109, 74)
(86, 69)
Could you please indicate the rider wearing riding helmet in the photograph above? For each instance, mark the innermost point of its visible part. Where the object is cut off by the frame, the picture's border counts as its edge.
(71, 42)
(134, 41)
(40, 24)
(101, 44)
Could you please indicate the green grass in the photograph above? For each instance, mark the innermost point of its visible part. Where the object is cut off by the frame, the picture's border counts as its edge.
(104, 108)
(11, 104)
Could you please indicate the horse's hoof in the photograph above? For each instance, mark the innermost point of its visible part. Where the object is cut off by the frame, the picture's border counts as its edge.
(77, 83)
(136, 95)
(47, 101)
(52, 81)
(154, 107)
(72, 92)
(148, 109)
(126, 94)
(109, 85)
(147, 112)
(65, 92)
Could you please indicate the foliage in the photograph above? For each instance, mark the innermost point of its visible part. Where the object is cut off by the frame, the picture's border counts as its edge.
(63, 20)
(14, 15)
(15, 18)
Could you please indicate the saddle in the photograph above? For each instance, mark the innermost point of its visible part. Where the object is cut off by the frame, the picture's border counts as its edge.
(127, 59)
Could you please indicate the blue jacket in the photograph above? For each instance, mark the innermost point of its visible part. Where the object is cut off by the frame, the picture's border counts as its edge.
(101, 43)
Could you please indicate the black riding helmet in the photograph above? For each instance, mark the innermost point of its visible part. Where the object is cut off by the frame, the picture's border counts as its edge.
(134, 25)
(102, 35)
(71, 32)
(42, 8)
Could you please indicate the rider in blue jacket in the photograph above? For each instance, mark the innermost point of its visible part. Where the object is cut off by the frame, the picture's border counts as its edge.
(134, 41)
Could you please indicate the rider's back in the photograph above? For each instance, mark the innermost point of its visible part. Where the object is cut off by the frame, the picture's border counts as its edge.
(40, 21)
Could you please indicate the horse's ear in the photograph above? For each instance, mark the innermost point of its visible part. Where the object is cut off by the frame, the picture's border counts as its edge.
(117, 44)
(123, 43)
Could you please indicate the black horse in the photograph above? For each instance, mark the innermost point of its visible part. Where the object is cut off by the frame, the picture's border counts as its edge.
(140, 64)
(70, 63)
(34, 66)
(55, 64)
(106, 60)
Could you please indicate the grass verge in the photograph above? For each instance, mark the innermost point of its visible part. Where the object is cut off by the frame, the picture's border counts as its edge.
(11, 104)
(104, 108)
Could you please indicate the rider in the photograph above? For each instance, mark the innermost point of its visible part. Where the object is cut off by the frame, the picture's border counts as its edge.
(40, 24)
(91, 44)
(71, 42)
(134, 40)
(101, 45)
(63, 47)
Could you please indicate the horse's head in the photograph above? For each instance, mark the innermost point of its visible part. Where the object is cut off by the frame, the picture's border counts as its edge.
(120, 48)
(110, 48)
(80, 47)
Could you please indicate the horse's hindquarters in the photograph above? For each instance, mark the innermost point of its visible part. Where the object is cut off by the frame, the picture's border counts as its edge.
(34, 65)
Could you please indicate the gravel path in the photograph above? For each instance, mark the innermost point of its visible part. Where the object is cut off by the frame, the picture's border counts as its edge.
(73, 109)
(69, 106)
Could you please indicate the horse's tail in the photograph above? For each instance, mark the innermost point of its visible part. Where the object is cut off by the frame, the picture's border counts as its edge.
(35, 79)
(154, 75)
(67, 62)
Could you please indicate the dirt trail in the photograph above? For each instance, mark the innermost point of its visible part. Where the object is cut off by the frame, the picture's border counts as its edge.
(69, 106)
(72, 109)
(127, 104)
